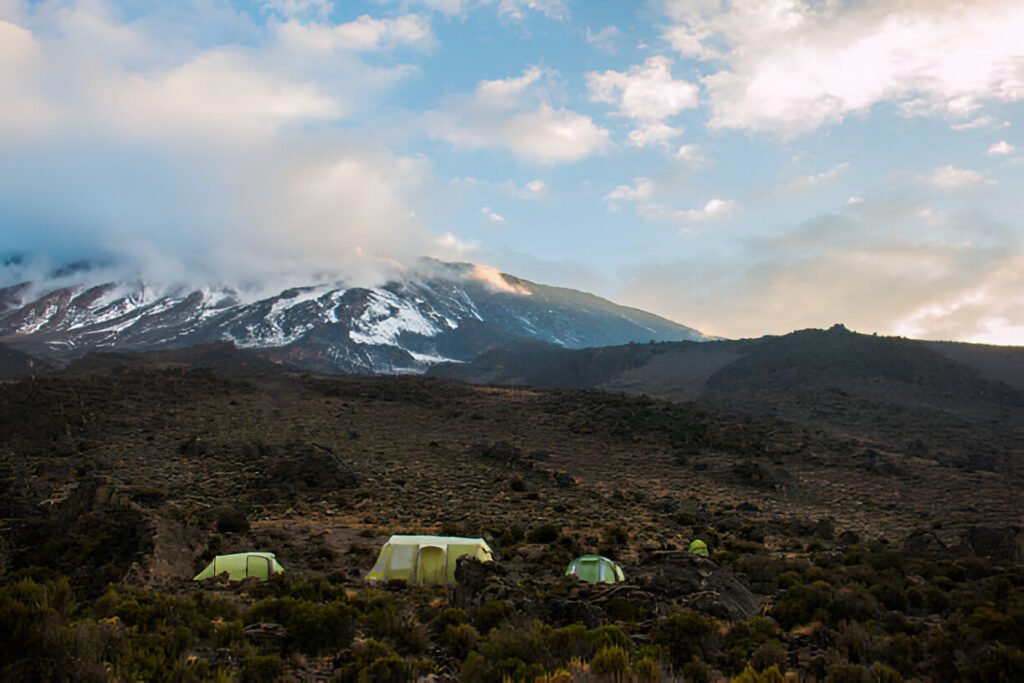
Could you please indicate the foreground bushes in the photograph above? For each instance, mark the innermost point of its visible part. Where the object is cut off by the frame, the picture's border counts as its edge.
(885, 618)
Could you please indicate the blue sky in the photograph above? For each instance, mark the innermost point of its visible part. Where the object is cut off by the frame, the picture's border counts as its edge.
(742, 167)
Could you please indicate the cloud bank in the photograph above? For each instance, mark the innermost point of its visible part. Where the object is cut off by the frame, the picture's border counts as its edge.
(231, 159)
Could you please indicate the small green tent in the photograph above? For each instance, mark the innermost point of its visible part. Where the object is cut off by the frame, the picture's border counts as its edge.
(595, 569)
(698, 547)
(425, 560)
(240, 566)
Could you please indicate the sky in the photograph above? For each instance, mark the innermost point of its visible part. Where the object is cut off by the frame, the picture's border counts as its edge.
(746, 168)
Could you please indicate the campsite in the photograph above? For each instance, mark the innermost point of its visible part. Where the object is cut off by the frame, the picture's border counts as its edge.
(828, 556)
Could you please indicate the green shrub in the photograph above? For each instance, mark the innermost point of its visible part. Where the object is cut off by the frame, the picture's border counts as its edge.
(687, 635)
(459, 640)
(611, 661)
(262, 668)
(491, 614)
(312, 628)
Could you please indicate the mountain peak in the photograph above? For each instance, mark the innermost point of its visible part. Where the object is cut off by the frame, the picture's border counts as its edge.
(442, 312)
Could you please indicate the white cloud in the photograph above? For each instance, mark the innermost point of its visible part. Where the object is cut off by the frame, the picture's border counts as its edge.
(448, 246)
(517, 10)
(606, 39)
(492, 216)
(714, 209)
(219, 154)
(509, 10)
(641, 189)
(362, 34)
(646, 94)
(299, 8)
(980, 122)
(791, 66)
(808, 182)
(535, 186)
(512, 114)
(692, 155)
(1001, 148)
(881, 266)
(950, 177)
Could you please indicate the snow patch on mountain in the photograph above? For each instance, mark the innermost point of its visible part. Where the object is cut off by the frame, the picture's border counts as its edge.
(386, 317)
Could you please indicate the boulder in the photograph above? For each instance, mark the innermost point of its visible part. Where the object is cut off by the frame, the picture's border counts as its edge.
(699, 583)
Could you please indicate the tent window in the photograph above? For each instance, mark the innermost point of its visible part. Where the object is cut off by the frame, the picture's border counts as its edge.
(402, 556)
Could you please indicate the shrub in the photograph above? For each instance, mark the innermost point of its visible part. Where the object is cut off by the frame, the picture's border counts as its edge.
(687, 635)
(545, 533)
(312, 628)
(491, 614)
(611, 661)
(459, 640)
(262, 668)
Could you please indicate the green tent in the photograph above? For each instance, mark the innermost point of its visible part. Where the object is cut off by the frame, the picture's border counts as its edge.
(698, 547)
(425, 560)
(242, 566)
(595, 569)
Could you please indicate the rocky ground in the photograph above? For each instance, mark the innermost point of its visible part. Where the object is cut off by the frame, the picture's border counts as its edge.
(135, 473)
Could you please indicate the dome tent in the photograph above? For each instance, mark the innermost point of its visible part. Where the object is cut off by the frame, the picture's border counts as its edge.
(595, 569)
(241, 566)
(425, 560)
(698, 547)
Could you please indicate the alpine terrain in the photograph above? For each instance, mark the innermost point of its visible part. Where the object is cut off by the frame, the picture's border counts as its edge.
(443, 312)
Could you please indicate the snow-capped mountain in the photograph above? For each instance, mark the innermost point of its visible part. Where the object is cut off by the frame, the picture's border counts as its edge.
(447, 312)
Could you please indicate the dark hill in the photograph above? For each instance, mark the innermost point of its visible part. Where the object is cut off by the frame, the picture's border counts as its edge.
(15, 364)
(948, 397)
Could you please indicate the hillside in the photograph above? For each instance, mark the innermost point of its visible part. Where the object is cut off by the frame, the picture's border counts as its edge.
(954, 402)
(137, 470)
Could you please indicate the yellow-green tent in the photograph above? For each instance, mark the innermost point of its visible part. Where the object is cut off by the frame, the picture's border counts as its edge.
(425, 560)
(240, 566)
(595, 569)
(698, 547)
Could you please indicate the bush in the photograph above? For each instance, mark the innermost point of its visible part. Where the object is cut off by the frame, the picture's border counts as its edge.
(231, 520)
(611, 661)
(312, 628)
(687, 635)
(545, 533)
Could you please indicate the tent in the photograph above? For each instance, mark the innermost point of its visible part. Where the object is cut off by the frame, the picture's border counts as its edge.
(698, 547)
(595, 569)
(242, 566)
(425, 560)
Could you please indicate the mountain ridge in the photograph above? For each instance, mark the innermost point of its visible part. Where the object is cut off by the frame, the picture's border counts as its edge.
(442, 312)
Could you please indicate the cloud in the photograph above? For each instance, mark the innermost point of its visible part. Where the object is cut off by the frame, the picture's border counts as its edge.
(713, 209)
(299, 8)
(512, 114)
(509, 10)
(879, 265)
(362, 34)
(648, 95)
(534, 187)
(693, 156)
(517, 10)
(606, 39)
(1001, 148)
(808, 182)
(980, 122)
(491, 216)
(143, 140)
(791, 67)
(641, 189)
(950, 177)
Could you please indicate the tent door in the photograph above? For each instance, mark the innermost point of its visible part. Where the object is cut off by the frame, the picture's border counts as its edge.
(257, 566)
(432, 569)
